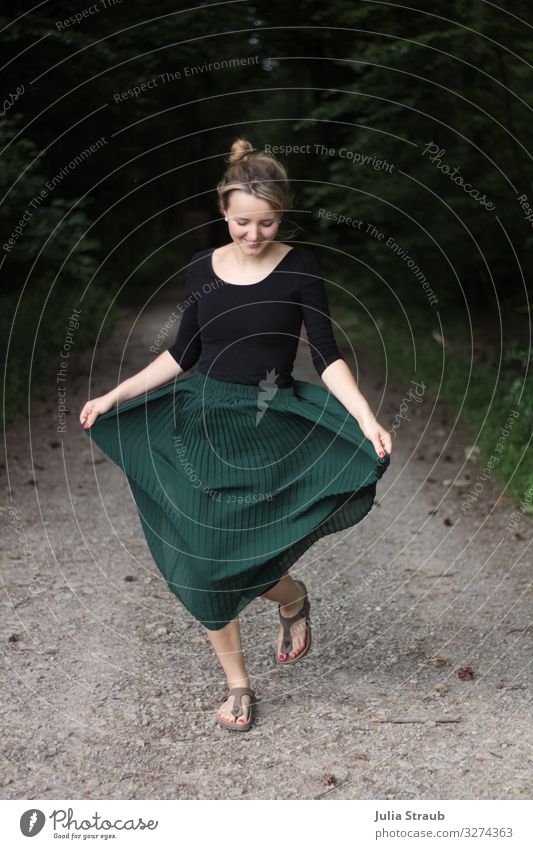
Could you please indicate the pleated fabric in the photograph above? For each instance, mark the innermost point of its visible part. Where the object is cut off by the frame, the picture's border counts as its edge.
(233, 482)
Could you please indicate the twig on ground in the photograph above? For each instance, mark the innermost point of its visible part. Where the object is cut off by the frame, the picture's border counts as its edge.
(407, 721)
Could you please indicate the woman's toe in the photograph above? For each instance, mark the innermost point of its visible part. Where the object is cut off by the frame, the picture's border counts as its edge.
(243, 719)
(227, 717)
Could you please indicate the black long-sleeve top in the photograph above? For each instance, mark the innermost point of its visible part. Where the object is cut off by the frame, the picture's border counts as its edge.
(240, 332)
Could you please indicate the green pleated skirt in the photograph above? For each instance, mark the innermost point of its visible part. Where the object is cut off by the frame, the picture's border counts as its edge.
(233, 483)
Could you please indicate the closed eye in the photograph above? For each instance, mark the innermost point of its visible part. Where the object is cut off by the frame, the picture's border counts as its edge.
(265, 223)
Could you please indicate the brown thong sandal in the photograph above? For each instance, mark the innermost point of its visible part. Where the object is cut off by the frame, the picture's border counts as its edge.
(287, 621)
(238, 710)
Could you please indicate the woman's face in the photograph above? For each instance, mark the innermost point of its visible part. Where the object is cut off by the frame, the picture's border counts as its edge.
(252, 222)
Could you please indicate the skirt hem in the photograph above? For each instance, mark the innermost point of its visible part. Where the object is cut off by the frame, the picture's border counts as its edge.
(346, 513)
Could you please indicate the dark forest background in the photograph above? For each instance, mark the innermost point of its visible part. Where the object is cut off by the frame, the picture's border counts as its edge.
(377, 80)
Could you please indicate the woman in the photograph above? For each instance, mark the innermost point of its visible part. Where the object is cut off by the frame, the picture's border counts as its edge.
(239, 469)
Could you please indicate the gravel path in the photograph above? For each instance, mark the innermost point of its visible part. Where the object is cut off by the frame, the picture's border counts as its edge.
(110, 686)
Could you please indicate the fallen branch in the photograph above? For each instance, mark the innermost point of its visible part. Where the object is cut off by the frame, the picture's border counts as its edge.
(409, 721)
(37, 651)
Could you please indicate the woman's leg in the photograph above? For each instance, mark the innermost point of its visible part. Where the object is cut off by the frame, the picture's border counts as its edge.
(288, 593)
(227, 645)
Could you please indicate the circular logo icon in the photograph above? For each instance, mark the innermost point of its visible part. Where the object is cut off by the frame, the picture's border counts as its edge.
(31, 822)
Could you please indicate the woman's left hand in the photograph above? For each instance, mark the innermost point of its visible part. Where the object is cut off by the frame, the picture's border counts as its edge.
(378, 436)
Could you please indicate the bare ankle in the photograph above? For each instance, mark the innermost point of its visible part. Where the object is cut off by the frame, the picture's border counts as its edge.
(238, 682)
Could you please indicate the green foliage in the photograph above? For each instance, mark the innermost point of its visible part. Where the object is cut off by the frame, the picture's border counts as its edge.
(458, 79)
(49, 271)
(480, 387)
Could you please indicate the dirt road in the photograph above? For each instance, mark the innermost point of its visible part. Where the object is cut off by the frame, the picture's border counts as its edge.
(111, 687)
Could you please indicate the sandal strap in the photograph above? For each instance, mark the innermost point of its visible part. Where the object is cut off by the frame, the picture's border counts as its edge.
(238, 693)
(301, 613)
(288, 621)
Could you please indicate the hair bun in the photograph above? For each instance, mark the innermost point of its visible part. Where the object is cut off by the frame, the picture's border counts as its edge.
(254, 172)
(239, 149)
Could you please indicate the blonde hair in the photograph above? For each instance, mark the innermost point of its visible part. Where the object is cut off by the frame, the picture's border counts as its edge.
(256, 173)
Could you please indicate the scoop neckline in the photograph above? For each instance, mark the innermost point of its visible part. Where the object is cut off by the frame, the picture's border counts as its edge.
(246, 285)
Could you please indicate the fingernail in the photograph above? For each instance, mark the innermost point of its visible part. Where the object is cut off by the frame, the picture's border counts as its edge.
(381, 453)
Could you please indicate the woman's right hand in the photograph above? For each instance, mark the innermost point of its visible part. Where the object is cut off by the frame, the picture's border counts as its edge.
(95, 408)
